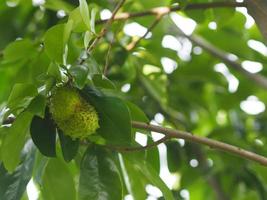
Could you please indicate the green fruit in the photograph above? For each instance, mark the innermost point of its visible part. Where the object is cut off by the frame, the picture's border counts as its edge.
(72, 114)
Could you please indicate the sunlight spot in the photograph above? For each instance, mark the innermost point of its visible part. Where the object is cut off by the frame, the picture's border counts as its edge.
(231, 79)
(12, 3)
(171, 42)
(128, 197)
(252, 105)
(185, 194)
(149, 69)
(193, 163)
(126, 88)
(259, 142)
(153, 191)
(249, 20)
(258, 46)
(210, 162)
(32, 191)
(159, 118)
(38, 2)
(169, 65)
(252, 66)
(61, 14)
(212, 25)
(187, 25)
(105, 14)
(232, 57)
(221, 117)
(197, 50)
(181, 142)
(141, 138)
(135, 29)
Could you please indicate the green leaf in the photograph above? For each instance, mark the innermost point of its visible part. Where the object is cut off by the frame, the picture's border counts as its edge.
(14, 141)
(58, 183)
(21, 95)
(100, 81)
(67, 31)
(115, 121)
(92, 20)
(37, 106)
(58, 5)
(19, 49)
(53, 42)
(12, 186)
(84, 10)
(69, 147)
(148, 171)
(78, 25)
(99, 178)
(174, 156)
(79, 73)
(43, 133)
(136, 113)
(87, 38)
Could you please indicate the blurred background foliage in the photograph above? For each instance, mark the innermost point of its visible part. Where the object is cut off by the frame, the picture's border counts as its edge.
(176, 83)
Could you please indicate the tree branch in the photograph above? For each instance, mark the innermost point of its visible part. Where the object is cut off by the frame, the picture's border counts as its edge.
(105, 28)
(204, 141)
(140, 148)
(165, 10)
(133, 44)
(224, 56)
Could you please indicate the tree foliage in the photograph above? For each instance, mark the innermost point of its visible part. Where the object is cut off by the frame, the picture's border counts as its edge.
(194, 66)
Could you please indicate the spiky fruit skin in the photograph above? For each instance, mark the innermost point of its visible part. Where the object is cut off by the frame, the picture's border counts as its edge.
(72, 114)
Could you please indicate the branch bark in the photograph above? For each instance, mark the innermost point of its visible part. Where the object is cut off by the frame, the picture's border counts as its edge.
(165, 10)
(204, 141)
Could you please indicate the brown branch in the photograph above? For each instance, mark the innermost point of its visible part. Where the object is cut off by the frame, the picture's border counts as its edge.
(224, 56)
(165, 10)
(134, 43)
(204, 141)
(139, 148)
(105, 28)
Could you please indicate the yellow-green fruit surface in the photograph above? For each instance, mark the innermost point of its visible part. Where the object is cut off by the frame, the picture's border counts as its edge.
(72, 114)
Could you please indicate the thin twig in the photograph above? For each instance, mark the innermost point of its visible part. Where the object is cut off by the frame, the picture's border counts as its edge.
(224, 56)
(105, 28)
(191, 6)
(140, 148)
(205, 141)
(105, 70)
(134, 43)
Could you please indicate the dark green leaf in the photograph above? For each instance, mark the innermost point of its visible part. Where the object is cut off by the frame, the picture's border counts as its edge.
(115, 122)
(69, 147)
(43, 133)
(12, 186)
(79, 73)
(99, 177)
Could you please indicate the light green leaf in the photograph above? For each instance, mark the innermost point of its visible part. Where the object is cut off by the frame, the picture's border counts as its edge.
(21, 95)
(19, 49)
(53, 42)
(87, 37)
(37, 106)
(58, 183)
(92, 20)
(84, 10)
(67, 31)
(14, 141)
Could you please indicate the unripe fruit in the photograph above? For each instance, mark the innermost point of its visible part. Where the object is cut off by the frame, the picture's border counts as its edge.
(72, 114)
